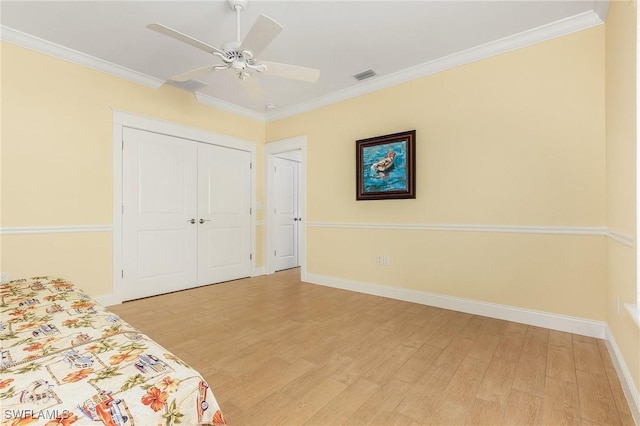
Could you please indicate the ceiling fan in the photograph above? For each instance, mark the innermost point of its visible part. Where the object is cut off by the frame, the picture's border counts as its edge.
(240, 56)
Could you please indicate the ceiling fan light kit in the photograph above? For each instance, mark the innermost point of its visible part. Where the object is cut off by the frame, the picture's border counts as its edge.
(240, 55)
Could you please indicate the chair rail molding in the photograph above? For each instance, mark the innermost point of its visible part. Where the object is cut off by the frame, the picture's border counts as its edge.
(515, 229)
(20, 230)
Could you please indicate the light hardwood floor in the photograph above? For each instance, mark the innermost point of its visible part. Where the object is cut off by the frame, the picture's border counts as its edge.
(281, 352)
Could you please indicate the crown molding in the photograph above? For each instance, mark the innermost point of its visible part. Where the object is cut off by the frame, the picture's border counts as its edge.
(48, 48)
(227, 106)
(543, 33)
(61, 52)
(601, 8)
(546, 32)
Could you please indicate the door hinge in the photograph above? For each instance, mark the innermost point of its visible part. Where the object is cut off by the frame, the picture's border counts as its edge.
(122, 273)
(250, 256)
(123, 209)
(123, 144)
(250, 210)
(250, 166)
(275, 253)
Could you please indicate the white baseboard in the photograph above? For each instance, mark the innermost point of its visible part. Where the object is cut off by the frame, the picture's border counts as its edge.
(585, 327)
(558, 322)
(110, 299)
(629, 388)
(107, 299)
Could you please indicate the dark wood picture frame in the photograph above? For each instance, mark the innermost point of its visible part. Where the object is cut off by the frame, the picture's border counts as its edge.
(385, 167)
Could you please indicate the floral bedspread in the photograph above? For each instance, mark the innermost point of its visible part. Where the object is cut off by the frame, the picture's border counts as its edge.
(67, 360)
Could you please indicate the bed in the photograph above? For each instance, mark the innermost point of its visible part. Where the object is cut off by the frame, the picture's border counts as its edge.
(66, 360)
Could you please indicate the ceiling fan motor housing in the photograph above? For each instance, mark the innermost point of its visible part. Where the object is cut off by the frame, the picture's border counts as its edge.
(236, 59)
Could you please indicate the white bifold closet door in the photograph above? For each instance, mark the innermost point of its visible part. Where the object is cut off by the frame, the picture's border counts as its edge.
(186, 214)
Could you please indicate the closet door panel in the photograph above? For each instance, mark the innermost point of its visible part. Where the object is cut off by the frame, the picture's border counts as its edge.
(159, 200)
(224, 202)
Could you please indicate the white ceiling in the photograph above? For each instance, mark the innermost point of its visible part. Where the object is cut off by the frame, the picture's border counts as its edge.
(399, 40)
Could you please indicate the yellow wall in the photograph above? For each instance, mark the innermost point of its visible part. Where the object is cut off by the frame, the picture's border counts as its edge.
(56, 158)
(516, 139)
(621, 176)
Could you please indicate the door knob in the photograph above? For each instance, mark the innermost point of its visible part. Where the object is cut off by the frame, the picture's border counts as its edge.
(205, 220)
(295, 219)
(191, 221)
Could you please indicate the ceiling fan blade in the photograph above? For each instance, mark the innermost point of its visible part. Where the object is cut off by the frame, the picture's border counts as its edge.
(190, 75)
(295, 72)
(184, 38)
(260, 35)
(253, 87)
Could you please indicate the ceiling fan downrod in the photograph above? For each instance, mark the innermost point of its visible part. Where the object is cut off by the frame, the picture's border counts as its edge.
(238, 6)
(240, 60)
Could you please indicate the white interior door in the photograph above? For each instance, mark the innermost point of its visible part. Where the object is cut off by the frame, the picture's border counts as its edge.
(287, 220)
(159, 201)
(224, 214)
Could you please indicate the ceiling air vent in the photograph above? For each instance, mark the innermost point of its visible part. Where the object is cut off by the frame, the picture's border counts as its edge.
(364, 75)
(189, 85)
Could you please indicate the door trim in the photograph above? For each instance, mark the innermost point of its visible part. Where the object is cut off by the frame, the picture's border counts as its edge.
(271, 149)
(122, 119)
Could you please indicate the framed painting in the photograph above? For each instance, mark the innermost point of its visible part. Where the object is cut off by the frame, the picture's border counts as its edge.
(385, 167)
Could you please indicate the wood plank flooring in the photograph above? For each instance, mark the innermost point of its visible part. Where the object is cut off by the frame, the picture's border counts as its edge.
(277, 351)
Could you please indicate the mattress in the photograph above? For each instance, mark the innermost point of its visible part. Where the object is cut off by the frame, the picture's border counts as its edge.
(67, 360)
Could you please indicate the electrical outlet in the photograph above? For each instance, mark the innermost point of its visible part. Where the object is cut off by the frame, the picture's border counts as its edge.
(4, 276)
(379, 260)
(386, 260)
